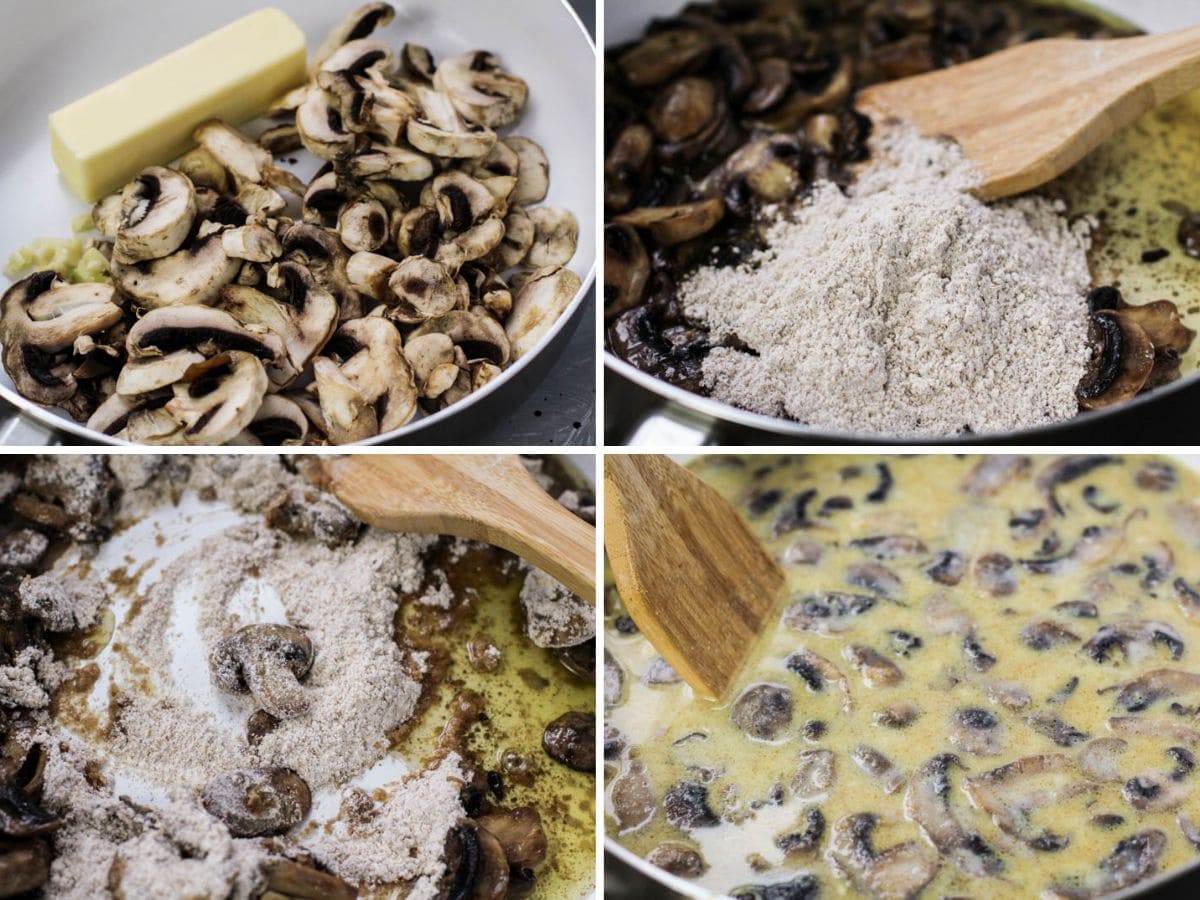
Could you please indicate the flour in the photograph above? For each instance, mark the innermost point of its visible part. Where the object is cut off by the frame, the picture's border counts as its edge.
(908, 307)
(28, 681)
(375, 844)
(362, 685)
(107, 847)
(554, 617)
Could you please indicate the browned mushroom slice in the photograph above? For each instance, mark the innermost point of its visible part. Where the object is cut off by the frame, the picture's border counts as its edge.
(887, 775)
(1143, 691)
(763, 711)
(627, 165)
(258, 802)
(675, 224)
(291, 879)
(827, 613)
(976, 730)
(790, 115)
(992, 473)
(683, 108)
(1139, 726)
(815, 670)
(1134, 859)
(1160, 321)
(268, 661)
(902, 870)
(662, 55)
(876, 670)
(538, 306)
(772, 85)
(1122, 358)
(679, 860)
(571, 740)
(24, 867)
(996, 792)
(480, 89)
(927, 802)
(631, 797)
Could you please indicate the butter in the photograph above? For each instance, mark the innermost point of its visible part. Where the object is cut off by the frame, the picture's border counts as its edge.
(146, 118)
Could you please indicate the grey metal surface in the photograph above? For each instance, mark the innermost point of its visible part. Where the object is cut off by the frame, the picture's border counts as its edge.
(558, 410)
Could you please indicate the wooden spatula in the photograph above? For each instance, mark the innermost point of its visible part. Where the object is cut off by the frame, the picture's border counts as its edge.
(485, 498)
(1027, 114)
(695, 580)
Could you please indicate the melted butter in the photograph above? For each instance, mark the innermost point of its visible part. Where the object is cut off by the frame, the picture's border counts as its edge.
(741, 773)
(530, 689)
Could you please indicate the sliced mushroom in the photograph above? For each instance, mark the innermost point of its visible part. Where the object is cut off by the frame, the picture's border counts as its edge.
(255, 243)
(378, 371)
(1122, 359)
(556, 234)
(320, 126)
(300, 313)
(480, 90)
(152, 373)
(460, 200)
(901, 871)
(363, 225)
(533, 171)
(763, 711)
(627, 166)
(927, 802)
(995, 792)
(1143, 691)
(219, 398)
(157, 211)
(976, 730)
(106, 214)
(474, 243)
(889, 776)
(663, 54)
(162, 332)
(193, 275)
(571, 740)
(42, 316)
(631, 796)
(1098, 759)
(828, 612)
(422, 289)
(876, 670)
(686, 807)
(268, 661)
(244, 158)
(626, 269)
(321, 252)
(538, 305)
(1134, 859)
(369, 274)
(815, 670)
(1134, 639)
(346, 416)
(518, 237)
(519, 832)
(391, 163)
(674, 224)
(360, 24)
(281, 139)
(279, 422)
(442, 132)
(258, 802)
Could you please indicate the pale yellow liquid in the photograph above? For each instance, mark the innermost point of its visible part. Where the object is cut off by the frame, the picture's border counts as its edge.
(925, 502)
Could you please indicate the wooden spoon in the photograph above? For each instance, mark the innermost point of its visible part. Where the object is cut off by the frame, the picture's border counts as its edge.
(1027, 114)
(484, 498)
(695, 580)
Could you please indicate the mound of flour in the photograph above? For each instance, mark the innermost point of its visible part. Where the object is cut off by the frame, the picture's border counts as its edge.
(908, 307)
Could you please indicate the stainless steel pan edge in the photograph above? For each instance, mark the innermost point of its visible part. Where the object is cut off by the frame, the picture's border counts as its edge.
(627, 875)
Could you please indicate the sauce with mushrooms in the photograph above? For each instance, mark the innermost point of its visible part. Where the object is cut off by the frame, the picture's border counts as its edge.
(1011, 712)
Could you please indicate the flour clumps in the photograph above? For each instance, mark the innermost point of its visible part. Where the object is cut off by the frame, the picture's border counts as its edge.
(907, 307)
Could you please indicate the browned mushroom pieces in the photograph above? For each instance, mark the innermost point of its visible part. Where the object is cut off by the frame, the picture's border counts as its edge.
(875, 668)
(683, 108)
(763, 711)
(1160, 321)
(21, 813)
(686, 807)
(678, 859)
(674, 224)
(291, 879)
(476, 868)
(519, 832)
(24, 867)
(268, 661)
(632, 798)
(304, 511)
(902, 870)
(423, 288)
(992, 473)
(658, 57)
(994, 575)
(627, 165)
(258, 802)
(1122, 359)
(571, 740)
(774, 81)
(1134, 859)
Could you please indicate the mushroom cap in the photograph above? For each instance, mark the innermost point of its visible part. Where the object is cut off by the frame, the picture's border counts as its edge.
(279, 421)
(533, 171)
(474, 331)
(164, 331)
(480, 90)
(359, 24)
(258, 802)
(538, 305)
(157, 211)
(267, 661)
(219, 398)
(422, 288)
(442, 132)
(194, 275)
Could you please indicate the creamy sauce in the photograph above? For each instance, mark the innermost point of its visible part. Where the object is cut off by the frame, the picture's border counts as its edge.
(1129, 529)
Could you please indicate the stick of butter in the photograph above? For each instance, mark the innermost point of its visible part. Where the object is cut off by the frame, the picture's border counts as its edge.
(102, 141)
